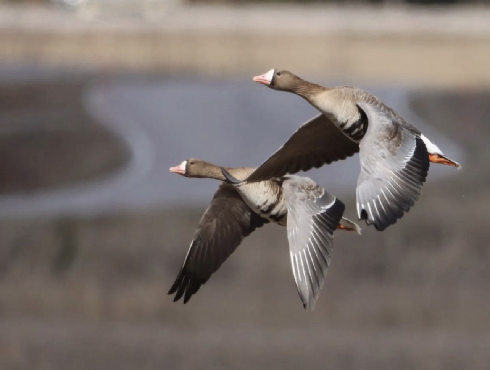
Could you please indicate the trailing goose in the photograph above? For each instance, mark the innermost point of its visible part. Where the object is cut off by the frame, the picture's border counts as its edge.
(310, 213)
(394, 155)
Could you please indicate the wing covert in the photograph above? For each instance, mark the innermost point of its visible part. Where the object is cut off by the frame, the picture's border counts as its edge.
(317, 142)
(394, 166)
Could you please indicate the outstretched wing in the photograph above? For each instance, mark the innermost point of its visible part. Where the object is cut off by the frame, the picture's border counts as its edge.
(315, 143)
(394, 165)
(221, 229)
(313, 216)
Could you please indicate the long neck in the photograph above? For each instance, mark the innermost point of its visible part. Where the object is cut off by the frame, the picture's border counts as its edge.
(241, 173)
(307, 90)
(212, 172)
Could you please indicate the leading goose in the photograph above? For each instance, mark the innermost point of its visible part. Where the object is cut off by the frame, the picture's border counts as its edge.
(394, 155)
(310, 213)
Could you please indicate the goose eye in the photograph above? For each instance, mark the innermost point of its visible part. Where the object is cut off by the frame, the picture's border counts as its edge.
(278, 73)
(191, 162)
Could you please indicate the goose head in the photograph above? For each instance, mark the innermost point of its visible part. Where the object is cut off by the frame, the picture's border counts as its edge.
(279, 80)
(193, 167)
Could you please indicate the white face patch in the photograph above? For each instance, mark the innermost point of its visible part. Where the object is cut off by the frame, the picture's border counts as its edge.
(180, 169)
(183, 165)
(269, 75)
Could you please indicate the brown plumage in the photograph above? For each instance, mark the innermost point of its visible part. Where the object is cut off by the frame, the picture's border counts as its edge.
(310, 213)
(394, 155)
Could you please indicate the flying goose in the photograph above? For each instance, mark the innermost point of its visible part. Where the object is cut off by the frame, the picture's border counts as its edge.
(309, 212)
(394, 155)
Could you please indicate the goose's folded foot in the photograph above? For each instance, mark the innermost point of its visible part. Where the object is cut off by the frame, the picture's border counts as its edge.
(342, 227)
(348, 225)
(346, 228)
(437, 158)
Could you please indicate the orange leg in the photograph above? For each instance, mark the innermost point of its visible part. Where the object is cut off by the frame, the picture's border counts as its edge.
(342, 227)
(436, 158)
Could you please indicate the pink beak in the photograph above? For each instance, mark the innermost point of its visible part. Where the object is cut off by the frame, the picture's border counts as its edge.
(262, 79)
(180, 169)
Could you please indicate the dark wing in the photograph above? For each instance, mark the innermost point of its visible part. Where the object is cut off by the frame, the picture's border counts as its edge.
(315, 143)
(221, 229)
(313, 216)
(394, 165)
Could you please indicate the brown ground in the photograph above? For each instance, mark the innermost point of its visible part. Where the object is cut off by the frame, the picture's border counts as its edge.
(91, 293)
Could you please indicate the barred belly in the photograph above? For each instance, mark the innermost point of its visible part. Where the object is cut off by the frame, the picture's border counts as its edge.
(355, 130)
(266, 199)
(275, 211)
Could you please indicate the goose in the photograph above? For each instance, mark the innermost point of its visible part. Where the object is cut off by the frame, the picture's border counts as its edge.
(309, 212)
(394, 155)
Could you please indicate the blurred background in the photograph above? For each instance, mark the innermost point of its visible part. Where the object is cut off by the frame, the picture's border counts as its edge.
(98, 98)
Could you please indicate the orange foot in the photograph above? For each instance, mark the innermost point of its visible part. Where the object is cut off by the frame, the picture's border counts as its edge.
(342, 227)
(437, 158)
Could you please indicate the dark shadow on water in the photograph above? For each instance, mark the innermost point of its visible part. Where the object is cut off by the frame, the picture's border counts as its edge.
(48, 141)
